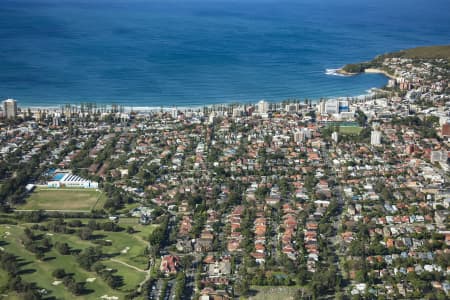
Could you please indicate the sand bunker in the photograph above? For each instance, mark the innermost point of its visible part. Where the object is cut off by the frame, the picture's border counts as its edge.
(106, 297)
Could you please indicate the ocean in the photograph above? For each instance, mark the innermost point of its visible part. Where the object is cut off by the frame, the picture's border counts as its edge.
(152, 53)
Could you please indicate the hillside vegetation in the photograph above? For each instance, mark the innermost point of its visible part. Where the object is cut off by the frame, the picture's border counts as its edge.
(429, 52)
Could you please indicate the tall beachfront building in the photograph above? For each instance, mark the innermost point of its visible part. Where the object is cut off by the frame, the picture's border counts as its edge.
(333, 106)
(263, 107)
(375, 138)
(10, 108)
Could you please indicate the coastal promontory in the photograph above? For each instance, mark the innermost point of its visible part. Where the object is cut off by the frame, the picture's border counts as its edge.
(376, 65)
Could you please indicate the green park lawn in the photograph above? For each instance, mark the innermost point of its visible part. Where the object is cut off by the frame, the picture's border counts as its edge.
(64, 199)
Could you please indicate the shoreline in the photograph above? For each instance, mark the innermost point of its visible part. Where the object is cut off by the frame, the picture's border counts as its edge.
(366, 71)
(379, 71)
(341, 71)
(129, 108)
(147, 109)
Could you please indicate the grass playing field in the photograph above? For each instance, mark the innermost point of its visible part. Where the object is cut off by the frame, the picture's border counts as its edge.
(64, 199)
(351, 130)
(273, 293)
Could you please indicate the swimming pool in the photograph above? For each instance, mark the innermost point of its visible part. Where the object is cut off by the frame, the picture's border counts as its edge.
(58, 176)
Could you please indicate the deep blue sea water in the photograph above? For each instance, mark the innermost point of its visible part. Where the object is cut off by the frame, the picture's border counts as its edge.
(195, 52)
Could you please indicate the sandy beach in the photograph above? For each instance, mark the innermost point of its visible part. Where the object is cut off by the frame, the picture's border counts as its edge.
(378, 71)
(369, 70)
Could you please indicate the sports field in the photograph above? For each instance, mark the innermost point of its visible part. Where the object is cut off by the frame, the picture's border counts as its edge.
(64, 199)
(351, 130)
(273, 292)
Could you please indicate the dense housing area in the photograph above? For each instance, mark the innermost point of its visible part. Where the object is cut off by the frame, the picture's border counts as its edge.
(344, 198)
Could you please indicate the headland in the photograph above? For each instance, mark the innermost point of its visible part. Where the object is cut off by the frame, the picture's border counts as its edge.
(377, 65)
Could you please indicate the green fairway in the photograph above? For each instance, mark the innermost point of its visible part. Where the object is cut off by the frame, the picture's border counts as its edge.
(126, 247)
(127, 207)
(64, 199)
(3, 279)
(131, 277)
(142, 231)
(350, 130)
(12, 296)
(38, 271)
(126, 255)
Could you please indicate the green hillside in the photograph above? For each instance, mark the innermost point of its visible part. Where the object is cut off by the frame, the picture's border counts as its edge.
(429, 52)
